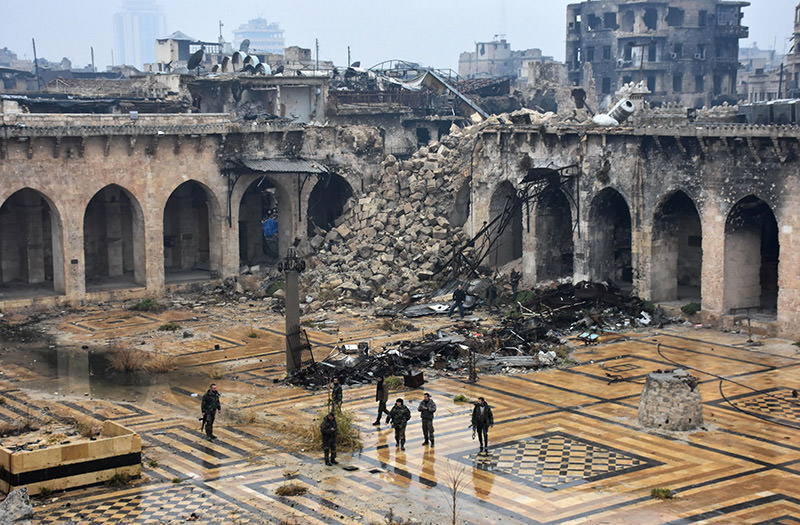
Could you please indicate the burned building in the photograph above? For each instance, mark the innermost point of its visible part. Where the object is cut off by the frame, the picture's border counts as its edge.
(685, 50)
(496, 59)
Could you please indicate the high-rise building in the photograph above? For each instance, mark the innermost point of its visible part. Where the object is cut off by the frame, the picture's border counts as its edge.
(687, 51)
(263, 36)
(136, 27)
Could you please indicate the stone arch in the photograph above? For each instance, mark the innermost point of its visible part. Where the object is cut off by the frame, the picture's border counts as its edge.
(326, 202)
(610, 257)
(258, 208)
(459, 213)
(31, 245)
(287, 210)
(554, 244)
(752, 251)
(191, 233)
(677, 251)
(507, 230)
(113, 239)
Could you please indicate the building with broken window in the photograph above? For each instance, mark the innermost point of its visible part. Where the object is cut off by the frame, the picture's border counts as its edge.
(496, 59)
(263, 36)
(687, 51)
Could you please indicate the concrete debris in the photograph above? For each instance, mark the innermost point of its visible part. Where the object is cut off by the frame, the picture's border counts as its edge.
(16, 508)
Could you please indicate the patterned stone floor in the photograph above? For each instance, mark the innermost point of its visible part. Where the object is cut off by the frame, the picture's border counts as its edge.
(566, 446)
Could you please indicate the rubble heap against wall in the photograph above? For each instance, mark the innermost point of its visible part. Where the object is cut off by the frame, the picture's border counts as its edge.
(391, 239)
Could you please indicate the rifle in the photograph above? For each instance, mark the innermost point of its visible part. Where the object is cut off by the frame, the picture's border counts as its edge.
(202, 422)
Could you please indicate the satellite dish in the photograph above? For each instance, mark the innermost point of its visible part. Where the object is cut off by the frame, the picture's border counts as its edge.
(215, 69)
(248, 69)
(244, 47)
(247, 60)
(355, 64)
(225, 62)
(195, 59)
(279, 70)
(260, 69)
(236, 59)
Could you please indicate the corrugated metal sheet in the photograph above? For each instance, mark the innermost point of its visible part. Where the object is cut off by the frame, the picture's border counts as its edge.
(284, 166)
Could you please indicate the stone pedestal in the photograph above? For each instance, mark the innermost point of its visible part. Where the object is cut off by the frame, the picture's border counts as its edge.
(671, 401)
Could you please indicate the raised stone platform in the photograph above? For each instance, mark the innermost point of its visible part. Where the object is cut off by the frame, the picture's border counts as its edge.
(118, 450)
(671, 401)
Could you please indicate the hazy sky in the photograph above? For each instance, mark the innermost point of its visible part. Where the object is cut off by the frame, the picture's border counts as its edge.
(431, 32)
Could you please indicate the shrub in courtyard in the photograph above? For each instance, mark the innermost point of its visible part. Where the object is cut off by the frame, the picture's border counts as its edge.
(661, 493)
(148, 305)
(169, 327)
(690, 308)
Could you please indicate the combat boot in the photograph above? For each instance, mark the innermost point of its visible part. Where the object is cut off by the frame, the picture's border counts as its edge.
(327, 458)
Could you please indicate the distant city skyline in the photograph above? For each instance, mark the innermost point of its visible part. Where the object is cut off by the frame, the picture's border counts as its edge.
(431, 33)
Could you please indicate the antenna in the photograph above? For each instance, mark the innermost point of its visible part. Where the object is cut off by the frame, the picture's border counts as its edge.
(91, 49)
(36, 66)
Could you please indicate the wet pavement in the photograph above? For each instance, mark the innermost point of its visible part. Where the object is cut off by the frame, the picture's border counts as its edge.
(565, 447)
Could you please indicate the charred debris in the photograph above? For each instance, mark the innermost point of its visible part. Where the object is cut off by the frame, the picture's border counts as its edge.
(531, 330)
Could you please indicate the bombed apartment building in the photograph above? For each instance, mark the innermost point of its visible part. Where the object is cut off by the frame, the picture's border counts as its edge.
(686, 51)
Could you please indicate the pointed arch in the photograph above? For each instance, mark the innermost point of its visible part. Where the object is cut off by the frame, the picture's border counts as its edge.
(31, 245)
(677, 252)
(610, 257)
(113, 239)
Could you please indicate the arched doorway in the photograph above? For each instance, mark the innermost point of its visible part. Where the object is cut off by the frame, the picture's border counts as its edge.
(459, 213)
(258, 224)
(554, 247)
(31, 256)
(751, 257)
(508, 229)
(187, 226)
(113, 240)
(610, 239)
(326, 202)
(677, 257)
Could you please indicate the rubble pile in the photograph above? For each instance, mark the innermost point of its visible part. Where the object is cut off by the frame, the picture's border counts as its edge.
(390, 240)
(534, 333)
(402, 358)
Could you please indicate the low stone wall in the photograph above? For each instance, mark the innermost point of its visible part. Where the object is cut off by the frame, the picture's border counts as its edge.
(118, 450)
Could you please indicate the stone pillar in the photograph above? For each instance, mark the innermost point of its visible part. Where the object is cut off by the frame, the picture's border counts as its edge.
(292, 302)
(713, 256)
(113, 237)
(34, 238)
(742, 264)
(186, 238)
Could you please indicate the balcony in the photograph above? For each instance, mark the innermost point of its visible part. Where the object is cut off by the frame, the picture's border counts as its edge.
(732, 31)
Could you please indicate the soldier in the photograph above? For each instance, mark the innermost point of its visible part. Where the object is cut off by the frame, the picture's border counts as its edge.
(328, 430)
(459, 296)
(482, 419)
(209, 406)
(336, 394)
(381, 396)
(399, 416)
(426, 408)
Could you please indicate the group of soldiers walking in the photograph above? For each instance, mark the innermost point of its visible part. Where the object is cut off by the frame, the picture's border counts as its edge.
(398, 417)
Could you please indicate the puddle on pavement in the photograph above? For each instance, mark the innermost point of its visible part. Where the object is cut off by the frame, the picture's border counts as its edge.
(78, 371)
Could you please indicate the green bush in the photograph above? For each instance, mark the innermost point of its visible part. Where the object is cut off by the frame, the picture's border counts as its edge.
(690, 308)
(461, 398)
(649, 306)
(169, 327)
(274, 286)
(393, 382)
(45, 491)
(119, 480)
(661, 493)
(526, 297)
(147, 305)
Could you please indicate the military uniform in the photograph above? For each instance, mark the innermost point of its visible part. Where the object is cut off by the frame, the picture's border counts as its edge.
(426, 409)
(381, 396)
(336, 395)
(482, 419)
(328, 430)
(209, 406)
(399, 416)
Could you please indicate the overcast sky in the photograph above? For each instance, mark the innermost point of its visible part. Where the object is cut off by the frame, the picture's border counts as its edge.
(431, 32)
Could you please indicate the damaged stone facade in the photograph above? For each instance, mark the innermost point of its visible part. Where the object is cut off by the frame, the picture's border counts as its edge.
(685, 50)
(685, 211)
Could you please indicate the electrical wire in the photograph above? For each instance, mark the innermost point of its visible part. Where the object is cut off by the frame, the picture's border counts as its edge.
(725, 398)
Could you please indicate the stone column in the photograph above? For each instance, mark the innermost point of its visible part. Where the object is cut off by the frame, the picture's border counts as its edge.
(113, 237)
(34, 238)
(713, 261)
(186, 238)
